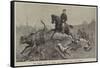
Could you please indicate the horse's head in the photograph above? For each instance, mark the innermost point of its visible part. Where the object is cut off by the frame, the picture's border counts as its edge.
(53, 17)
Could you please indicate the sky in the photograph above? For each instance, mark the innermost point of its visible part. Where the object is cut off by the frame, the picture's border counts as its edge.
(31, 14)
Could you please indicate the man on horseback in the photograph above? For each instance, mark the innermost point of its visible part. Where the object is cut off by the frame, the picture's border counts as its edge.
(60, 23)
(63, 18)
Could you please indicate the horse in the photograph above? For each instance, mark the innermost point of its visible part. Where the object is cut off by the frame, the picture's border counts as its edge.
(58, 26)
(57, 21)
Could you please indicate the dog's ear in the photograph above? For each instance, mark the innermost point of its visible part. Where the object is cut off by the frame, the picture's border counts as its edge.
(71, 26)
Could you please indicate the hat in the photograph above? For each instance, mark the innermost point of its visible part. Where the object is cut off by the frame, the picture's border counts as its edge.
(64, 9)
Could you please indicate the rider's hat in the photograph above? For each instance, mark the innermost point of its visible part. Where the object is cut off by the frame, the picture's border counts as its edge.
(64, 9)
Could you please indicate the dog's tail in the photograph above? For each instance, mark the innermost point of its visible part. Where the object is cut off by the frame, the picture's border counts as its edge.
(44, 25)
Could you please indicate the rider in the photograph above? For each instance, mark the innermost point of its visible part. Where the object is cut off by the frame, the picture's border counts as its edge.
(63, 18)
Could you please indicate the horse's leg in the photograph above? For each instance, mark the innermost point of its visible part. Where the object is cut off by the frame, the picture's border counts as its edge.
(25, 49)
(66, 51)
(53, 34)
(30, 52)
(32, 48)
(70, 35)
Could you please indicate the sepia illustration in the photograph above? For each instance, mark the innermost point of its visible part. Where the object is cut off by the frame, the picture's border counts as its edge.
(53, 33)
